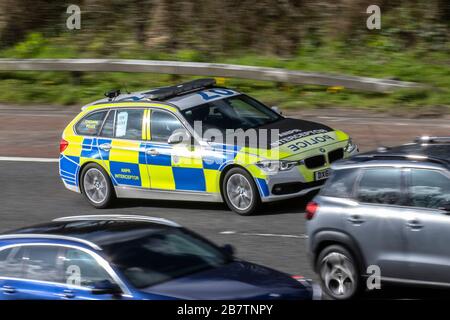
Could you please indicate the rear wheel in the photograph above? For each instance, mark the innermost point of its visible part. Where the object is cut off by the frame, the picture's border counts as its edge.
(240, 192)
(96, 186)
(338, 273)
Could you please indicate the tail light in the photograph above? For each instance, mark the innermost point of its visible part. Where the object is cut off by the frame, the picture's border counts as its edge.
(311, 209)
(63, 144)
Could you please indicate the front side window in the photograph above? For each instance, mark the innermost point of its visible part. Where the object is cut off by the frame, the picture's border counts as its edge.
(428, 189)
(42, 263)
(129, 124)
(340, 184)
(81, 269)
(380, 185)
(237, 112)
(162, 125)
(91, 124)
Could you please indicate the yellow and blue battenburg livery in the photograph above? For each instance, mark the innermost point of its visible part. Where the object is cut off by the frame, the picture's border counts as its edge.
(195, 141)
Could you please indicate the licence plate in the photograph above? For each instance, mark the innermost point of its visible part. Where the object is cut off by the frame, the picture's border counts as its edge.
(322, 174)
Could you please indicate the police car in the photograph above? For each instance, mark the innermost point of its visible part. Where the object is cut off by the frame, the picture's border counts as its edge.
(195, 141)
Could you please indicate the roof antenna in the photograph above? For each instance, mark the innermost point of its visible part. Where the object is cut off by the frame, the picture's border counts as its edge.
(112, 94)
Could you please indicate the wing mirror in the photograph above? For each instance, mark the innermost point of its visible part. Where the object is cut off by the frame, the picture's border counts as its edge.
(179, 136)
(445, 207)
(276, 109)
(106, 287)
(228, 249)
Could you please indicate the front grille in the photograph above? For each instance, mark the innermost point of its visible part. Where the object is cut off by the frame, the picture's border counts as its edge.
(294, 187)
(315, 162)
(335, 155)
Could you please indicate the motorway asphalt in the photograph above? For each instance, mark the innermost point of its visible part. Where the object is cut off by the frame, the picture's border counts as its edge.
(31, 192)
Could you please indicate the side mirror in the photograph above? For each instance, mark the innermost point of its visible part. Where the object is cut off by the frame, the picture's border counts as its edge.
(179, 136)
(106, 287)
(228, 249)
(277, 110)
(445, 207)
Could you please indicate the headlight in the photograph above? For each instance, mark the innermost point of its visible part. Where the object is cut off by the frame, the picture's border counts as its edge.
(271, 166)
(350, 147)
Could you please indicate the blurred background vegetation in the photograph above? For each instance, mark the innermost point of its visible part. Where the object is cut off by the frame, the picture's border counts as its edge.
(323, 36)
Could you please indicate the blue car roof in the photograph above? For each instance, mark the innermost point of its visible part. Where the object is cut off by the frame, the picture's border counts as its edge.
(87, 231)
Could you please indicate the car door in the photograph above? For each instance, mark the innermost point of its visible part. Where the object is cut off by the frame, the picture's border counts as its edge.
(32, 272)
(428, 225)
(122, 139)
(375, 222)
(172, 166)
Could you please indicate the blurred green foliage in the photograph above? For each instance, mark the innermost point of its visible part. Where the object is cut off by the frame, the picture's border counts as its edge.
(321, 36)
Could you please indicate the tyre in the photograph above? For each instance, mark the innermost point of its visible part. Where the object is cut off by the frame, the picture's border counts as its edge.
(96, 186)
(338, 273)
(240, 192)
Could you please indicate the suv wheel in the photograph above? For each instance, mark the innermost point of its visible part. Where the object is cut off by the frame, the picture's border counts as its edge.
(338, 272)
(96, 186)
(240, 192)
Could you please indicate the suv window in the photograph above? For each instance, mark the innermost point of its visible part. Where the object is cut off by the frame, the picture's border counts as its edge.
(162, 125)
(428, 189)
(340, 184)
(129, 124)
(42, 263)
(380, 185)
(81, 269)
(91, 124)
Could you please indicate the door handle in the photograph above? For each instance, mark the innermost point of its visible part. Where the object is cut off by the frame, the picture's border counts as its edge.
(414, 224)
(152, 152)
(355, 219)
(68, 294)
(105, 146)
(8, 289)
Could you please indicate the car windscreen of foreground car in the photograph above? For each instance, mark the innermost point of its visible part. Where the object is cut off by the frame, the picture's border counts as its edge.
(160, 254)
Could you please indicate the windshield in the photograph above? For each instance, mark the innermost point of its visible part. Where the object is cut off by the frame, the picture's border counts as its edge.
(237, 112)
(162, 254)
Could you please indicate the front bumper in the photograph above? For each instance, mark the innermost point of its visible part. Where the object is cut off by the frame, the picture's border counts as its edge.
(295, 178)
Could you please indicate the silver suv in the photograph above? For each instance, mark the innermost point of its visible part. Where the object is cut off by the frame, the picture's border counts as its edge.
(387, 210)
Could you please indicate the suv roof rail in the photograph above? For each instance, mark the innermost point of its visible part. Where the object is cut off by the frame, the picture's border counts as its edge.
(100, 217)
(183, 88)
(399, 156)
(428, 139)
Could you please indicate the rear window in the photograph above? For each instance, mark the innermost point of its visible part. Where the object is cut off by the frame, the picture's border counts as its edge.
(91, 124)
(340, 184)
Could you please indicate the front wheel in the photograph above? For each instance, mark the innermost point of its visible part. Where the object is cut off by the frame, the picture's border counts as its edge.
(338, 273)
(96, 186)
(240, 192)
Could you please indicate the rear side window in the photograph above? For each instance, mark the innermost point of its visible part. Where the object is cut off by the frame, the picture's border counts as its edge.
(340, 184)
(129, 124)
(43, 263)
(380, 185)
(11, 262)
(108, 126)
(91, 124)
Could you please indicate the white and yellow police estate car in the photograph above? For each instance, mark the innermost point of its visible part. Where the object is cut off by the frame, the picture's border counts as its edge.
(195, 141)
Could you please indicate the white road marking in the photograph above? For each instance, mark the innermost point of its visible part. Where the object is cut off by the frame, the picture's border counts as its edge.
(301, 236)
(26, 159)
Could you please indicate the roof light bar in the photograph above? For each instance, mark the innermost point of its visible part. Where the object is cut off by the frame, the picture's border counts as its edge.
(172, 91)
